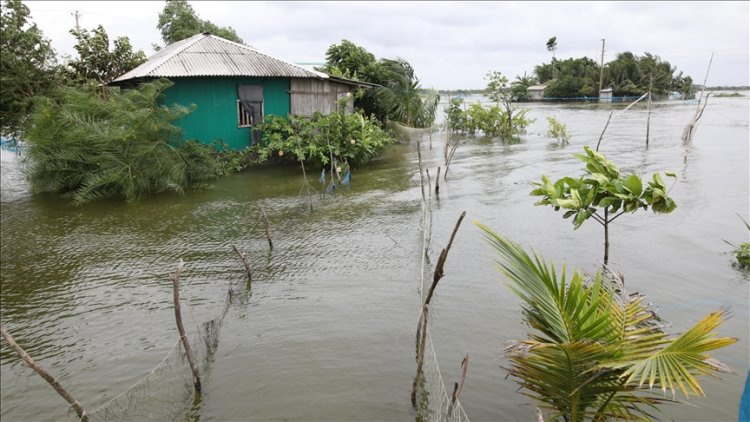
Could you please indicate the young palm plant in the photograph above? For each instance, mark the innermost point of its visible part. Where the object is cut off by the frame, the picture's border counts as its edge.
(597, 352)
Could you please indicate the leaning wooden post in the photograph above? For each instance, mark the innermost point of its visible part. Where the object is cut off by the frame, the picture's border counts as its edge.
(422, 325)
(268, 231)
(175, 279)
(44, 374)
(245, 262)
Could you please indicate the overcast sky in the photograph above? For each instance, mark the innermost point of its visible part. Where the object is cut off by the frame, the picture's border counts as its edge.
(450, 44)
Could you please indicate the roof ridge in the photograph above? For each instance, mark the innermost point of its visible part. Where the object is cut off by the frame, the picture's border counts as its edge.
(254, 50)
(154, 64)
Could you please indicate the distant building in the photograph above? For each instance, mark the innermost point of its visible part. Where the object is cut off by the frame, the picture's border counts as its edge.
(234, 86)
(605, 95)
(536, 92)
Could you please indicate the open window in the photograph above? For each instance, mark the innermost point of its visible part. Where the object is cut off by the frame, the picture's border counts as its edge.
(250, 109)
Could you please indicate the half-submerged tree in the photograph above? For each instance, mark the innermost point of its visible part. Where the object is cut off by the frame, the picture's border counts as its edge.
(597, 353)
(498, 91)
(603, 194)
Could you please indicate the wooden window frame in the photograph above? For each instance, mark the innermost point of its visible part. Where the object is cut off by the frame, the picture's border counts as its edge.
(244, 119)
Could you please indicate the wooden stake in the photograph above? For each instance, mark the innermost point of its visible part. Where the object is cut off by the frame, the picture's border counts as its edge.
(459, 386)
(437, 182)
(248, 268)
(441, 261)
(307, 185)
(80, 411)
(175, 279)
(265, 223)
(648, 118)
(605, 129)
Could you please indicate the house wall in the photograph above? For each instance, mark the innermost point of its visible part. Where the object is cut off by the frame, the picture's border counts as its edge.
(216, 100)
(311, 95)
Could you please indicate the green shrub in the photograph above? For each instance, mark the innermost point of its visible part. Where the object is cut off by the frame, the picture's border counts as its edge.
(344, 137)
(93, 145)
(558, 130)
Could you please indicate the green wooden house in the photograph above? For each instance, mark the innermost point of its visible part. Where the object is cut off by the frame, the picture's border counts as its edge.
(234, 86)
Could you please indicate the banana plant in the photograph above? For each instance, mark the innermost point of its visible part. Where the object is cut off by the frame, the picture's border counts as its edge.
(597, 353)
(603, 195)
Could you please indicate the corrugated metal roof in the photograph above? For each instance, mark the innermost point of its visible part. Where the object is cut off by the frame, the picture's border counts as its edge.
(209, 55)
(537, 87)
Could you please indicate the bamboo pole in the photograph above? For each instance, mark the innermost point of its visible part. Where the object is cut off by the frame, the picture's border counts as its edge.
(605, 129)
(80, 411)
(268, 231)
(648, 118)
(175, 279)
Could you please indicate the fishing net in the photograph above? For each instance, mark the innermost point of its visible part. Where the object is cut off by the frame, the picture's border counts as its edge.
(167, 393)
(433, 403)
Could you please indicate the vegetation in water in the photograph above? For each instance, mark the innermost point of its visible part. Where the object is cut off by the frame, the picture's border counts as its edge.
(628, 75)
(597, 353)
(558, 130)
(742, 252)
(602, 194)
(343, 137)
(122, 145)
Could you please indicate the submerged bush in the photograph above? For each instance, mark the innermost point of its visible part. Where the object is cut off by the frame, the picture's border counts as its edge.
(350, 138)
(94, 145)
(558, 130)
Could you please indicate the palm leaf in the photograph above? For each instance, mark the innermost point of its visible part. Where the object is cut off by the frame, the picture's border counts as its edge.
(684, 357)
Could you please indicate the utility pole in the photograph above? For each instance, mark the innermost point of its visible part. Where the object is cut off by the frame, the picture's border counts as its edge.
(601, 68)
(77, 15)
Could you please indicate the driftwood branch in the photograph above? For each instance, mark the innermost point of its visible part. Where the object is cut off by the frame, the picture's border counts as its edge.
(245, 262)
(266, 225)
(80, 411)
(175, 279)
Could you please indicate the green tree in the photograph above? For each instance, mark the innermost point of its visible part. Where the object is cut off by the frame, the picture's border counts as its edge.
(27, 66)
(520, 87)
(631, 75)
(95, 61)
(351, 61)
(178, 21)
(401, 95)
(513, 121)
(603, 194)
(597, 353)
(552, 46)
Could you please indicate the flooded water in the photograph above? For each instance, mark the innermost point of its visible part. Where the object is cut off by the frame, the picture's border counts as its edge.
(326, 329)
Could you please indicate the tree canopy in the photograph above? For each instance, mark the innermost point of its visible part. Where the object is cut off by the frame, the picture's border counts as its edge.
(628, 75)
(27, 66)
(178, 20)
(96, 62)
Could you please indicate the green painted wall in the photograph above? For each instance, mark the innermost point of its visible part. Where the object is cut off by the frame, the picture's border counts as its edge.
(216, 99)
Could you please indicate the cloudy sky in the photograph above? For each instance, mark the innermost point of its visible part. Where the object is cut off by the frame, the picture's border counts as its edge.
(450, 44)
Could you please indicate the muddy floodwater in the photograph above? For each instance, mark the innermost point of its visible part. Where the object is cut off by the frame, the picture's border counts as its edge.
(325, 331)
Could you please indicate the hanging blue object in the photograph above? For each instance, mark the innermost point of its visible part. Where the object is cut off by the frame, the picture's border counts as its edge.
(347, 178)
(323, 176)
(331, 188)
